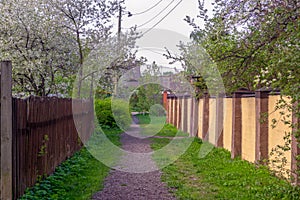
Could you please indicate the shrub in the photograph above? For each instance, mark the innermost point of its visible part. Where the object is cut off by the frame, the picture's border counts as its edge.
(110, 118)
(157, 110)
(121, 113)
(103, 112)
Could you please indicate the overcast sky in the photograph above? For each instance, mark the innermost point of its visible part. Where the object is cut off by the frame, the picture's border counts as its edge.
(174, 21)
(166, 33)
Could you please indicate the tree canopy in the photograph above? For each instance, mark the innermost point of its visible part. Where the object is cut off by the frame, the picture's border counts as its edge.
(254, 43)
(49, 42)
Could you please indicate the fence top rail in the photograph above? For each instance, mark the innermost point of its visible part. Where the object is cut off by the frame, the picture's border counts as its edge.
(274, 93)
(43, 98)
(248, 96)
(224, 97)
(179, 96)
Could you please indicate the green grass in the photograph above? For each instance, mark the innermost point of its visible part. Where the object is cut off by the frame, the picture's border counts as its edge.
(217, 176)
(143, 119)
(77, 178)
(157, 126)
(170, 131)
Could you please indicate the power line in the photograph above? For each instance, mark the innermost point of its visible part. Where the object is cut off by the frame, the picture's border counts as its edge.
(162, 18)
(156, 15)
(147, 9)
(146, 49)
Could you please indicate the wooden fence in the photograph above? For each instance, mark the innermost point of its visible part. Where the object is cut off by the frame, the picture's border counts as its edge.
(38, 134)
(241, 124)
(44, 135)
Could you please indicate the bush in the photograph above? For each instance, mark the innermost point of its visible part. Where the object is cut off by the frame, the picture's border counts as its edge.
(157, 110)
(110, 118)
(103, 112)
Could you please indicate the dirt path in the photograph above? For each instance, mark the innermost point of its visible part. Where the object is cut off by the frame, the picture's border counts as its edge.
(121, 184)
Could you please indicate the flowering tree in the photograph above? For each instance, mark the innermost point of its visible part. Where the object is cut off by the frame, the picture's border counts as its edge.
(255, 44)
(89, 22)
(49, 40)
(253, 38)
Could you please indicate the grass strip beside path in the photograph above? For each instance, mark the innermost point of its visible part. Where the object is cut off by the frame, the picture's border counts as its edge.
(78, 178)
(217, 176)
(149, 128)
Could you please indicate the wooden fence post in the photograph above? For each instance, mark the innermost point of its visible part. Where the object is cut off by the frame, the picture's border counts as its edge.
(172, 110)
(219, 120)
(205, 117)
(262, 124)
(195, 117)
(176, 111)
(179, 105)
(236, 142)
(165, 100)
(168, 109)
(295, 166)
(6, 130)
(185, 114)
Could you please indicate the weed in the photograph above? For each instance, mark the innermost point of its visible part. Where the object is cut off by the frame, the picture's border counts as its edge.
(43, 148)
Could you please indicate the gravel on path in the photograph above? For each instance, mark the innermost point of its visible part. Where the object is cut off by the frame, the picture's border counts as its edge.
(125, 185)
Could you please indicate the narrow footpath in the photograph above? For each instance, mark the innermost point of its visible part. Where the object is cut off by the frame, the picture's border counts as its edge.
(125, 185)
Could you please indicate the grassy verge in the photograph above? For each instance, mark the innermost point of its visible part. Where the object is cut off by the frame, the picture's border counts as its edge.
(77, 178)
(170, 131)
(157, 127)
(217, 176)
(143, 119)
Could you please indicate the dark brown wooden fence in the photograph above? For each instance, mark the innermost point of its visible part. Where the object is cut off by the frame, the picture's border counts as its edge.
(44, 135)
(6, 130)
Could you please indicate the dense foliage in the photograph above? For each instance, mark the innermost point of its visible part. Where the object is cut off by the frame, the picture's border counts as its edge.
(254, 43)
(107, 117)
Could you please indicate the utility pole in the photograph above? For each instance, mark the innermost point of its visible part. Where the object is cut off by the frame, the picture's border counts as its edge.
(115, 75)
(120, 22)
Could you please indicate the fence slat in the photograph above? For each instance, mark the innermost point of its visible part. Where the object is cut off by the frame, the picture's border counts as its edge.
(6, 130)
(44, 136)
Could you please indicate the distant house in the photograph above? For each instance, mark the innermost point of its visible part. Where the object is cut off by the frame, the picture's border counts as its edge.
(170, 81)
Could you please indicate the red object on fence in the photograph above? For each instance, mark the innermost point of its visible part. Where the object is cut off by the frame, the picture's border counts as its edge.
(165, 100)
(165, 104)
